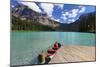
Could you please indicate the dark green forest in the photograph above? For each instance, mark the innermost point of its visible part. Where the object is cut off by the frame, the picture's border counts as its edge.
(24, 25)
(85, 23)
(89, 24)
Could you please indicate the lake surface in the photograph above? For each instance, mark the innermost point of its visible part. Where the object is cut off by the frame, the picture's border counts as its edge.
(25, 46)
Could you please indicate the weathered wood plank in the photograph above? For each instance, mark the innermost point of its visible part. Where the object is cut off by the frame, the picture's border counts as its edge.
(74, 54)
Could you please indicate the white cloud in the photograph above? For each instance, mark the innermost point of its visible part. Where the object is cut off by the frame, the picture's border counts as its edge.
(73, 13)
(74, 10)
(31, 5)
(63, 18)
(82, 9)
(48, 8)
(59, 5)
(71, 20)
(58, 20)
(65, 14)
(12, 6)
(70, 14)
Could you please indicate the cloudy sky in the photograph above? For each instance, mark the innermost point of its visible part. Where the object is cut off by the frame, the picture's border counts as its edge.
(64, 13)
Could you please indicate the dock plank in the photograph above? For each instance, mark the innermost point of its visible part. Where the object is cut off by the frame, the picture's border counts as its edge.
(74, 54)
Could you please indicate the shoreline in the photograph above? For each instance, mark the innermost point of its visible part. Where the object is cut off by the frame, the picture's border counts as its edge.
(48, 31)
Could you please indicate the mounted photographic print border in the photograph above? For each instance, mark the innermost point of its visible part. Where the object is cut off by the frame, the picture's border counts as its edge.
(52, 33)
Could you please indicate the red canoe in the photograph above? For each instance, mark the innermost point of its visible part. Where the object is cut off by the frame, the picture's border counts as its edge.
(51, 50)
(49, 54)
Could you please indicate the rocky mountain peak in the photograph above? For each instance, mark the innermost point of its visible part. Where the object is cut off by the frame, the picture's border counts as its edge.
(25, 13)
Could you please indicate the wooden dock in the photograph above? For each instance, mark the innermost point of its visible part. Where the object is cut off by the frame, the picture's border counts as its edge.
(74, 54)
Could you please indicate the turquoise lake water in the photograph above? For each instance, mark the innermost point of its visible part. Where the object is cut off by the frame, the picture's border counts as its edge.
(25, 46)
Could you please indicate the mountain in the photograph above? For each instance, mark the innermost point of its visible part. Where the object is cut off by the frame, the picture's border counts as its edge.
(25, 13)
(85, 23)
(24, 25)
(24, 18)
(88, 22)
